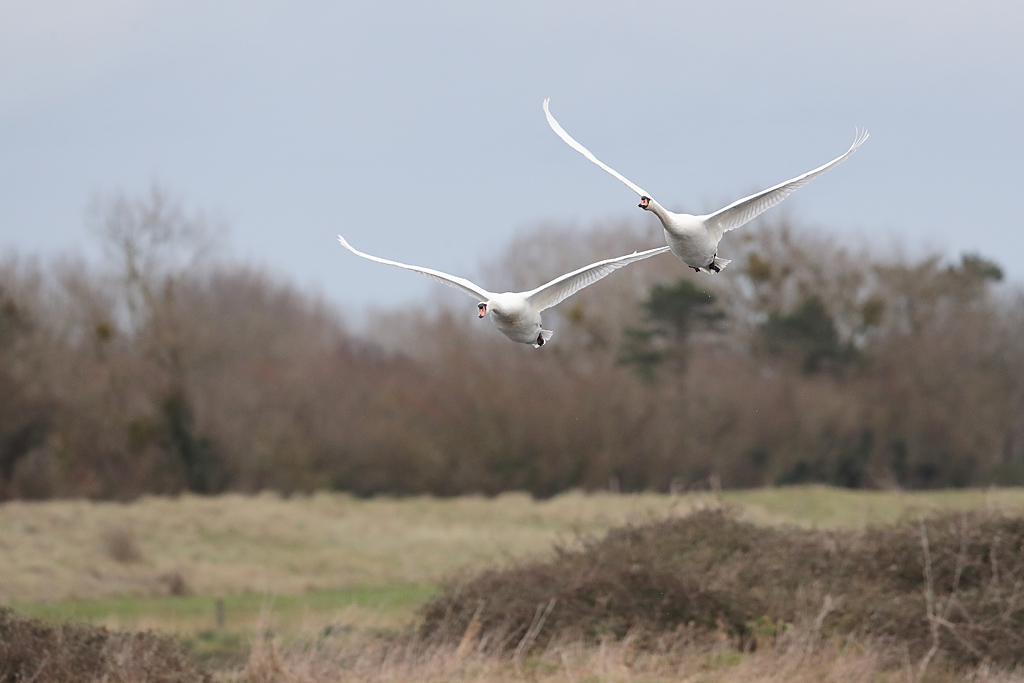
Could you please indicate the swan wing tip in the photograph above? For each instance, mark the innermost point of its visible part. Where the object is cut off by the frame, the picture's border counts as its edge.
(860, 136)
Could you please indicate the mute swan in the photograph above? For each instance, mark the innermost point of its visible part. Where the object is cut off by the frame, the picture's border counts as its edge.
(694, 239)
(517, 314)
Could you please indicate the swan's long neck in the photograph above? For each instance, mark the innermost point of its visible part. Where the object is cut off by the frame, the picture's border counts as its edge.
(660, 211)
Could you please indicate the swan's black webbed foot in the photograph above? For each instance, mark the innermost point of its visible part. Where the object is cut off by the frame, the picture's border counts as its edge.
(714, 268)
(696, 270)
(540, 340)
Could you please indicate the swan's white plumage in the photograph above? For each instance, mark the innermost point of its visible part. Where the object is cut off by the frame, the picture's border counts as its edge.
(517, 314)
(694, 239)
(561, 288)
(746, 209)
(450, 280)
(555, 126)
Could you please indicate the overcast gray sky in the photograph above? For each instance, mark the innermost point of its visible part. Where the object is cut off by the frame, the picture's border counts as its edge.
(416, 129)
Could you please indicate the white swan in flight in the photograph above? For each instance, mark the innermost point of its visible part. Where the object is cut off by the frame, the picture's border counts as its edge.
(694, 239)
(517, 314)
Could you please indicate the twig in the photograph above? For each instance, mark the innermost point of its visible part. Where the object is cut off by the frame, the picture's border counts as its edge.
(805, 642)
(531, 633)
(827, 607)
(929, 604)
(953, 630)
(935, 620)
(469, 637)
(994, 561)
(1011, 602)
(39, 669)
(961, 556)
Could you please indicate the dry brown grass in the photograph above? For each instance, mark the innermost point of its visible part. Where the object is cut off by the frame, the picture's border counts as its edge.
(232, 544)
(795, 658)
(268, 544)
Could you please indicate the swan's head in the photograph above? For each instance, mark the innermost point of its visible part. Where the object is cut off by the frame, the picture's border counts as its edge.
(481, 309)
(645, 203)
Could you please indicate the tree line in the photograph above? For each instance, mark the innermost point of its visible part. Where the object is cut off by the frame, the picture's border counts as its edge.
(807, 360)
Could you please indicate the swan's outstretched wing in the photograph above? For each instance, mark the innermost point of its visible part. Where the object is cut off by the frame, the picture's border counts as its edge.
(586, 152)
(450, 280)
(565, 286)
(744, 210)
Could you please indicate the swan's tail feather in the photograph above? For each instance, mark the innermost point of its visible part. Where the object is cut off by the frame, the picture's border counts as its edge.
(721, 263)
(545, 335)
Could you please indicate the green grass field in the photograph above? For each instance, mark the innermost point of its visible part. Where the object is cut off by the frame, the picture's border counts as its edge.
(307, 561)
(330, 563)
(367, 606)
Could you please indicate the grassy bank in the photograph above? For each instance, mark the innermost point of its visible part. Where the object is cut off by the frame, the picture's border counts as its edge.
(71, 557)
(328, 564)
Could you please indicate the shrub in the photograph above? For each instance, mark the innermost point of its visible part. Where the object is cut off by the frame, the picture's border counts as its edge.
(712, 574)
(122, 545)
(31, 650)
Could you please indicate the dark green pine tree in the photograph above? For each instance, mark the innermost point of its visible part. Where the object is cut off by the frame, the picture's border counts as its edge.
(672, 313)
(810, 332)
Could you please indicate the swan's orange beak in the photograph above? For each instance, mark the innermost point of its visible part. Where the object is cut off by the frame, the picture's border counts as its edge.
(644, 202)
(481, 310)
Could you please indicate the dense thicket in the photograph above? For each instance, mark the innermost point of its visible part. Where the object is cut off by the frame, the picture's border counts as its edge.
(950, 583)
(804, 361)
(32, 650)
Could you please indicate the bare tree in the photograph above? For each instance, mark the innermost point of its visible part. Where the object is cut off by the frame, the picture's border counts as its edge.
(156, 246)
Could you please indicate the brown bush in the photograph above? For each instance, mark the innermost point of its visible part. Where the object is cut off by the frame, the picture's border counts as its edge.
(710, 573)
(122, 545)
(31, 650)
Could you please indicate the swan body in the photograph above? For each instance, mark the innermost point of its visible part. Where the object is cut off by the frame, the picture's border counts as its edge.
(694, 239)
(517, 314)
